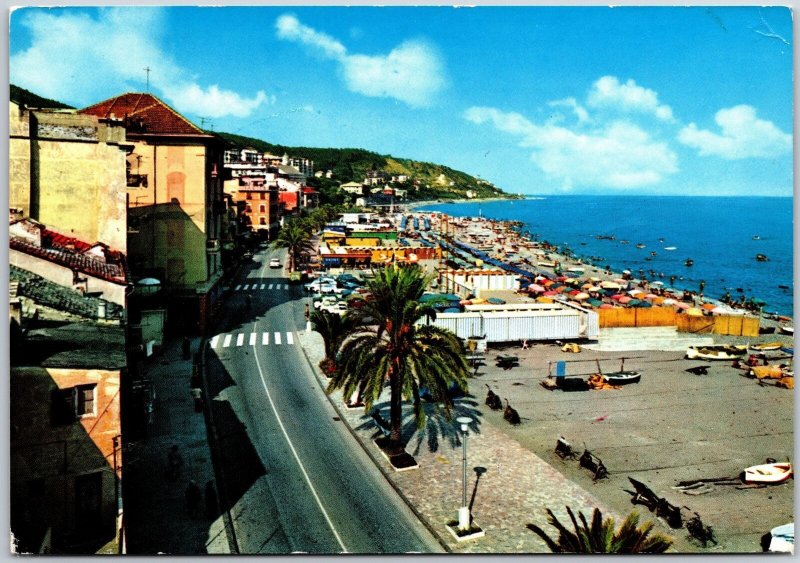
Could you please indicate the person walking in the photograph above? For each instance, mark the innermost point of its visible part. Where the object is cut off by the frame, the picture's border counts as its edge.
(197, 395)
(193, 498)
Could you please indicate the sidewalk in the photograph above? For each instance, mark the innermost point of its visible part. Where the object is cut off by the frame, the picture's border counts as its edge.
(508, 486)
(156, 515)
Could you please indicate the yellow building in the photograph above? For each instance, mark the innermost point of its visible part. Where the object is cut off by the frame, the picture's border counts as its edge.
(175, 203)
(68, 172)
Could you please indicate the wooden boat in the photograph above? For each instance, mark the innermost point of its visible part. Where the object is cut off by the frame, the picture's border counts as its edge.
(719, 352)
(761, 258)
(622, 377)
(768, 473)
(767, 346)
(688, 262)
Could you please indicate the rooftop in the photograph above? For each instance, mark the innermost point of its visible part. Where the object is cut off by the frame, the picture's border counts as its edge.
(145, 114)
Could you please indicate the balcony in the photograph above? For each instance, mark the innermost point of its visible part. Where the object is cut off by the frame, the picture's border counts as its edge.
(137, 180)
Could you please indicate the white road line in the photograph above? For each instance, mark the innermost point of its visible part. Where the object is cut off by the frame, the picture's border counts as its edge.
(246, 286)
(289, 338)
(277, 338)
(285, 286)
(213, 341)
(238, 287)
(263, 285)
(297, 457)
(265, 339)
(270, 286)
(240, 339)
(252, 339)
(227, 341)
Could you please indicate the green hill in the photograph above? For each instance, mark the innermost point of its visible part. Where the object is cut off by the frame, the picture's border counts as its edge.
(31, 100)
(426, 180)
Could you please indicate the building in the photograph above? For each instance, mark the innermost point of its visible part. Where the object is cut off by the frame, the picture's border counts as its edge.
(68, 370)
(259, 199)
(175, 204)
(356, 188)
(68, 171)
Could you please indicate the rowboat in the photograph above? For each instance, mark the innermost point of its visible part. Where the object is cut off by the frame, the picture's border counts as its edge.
(622, 377)
(781, 539)
(768, 473)
(767, 346)
(720, 352)
(786, 329)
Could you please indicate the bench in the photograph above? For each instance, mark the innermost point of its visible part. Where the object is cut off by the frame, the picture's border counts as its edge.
(381, 423)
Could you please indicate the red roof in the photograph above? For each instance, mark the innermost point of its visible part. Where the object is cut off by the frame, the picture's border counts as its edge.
(145, 114)
(73, 253)
(307, 190)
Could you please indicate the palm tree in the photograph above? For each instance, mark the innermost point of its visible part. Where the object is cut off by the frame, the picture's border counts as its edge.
(395, 348)
(334, 329)
(297, 239)
(600, 536)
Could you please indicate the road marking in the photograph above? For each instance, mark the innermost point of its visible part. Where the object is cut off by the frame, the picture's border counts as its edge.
(238, 287)
(277, 338)
(240, 339)
(252, 339)
(270, 286)
(297, 457)
(263, 285)
(285, 286)
(213, 342)
(265, 338)
(289, 338)
(227, 341)
(246, 286)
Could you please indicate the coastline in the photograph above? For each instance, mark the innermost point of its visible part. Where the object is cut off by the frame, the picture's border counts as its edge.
(595, 270)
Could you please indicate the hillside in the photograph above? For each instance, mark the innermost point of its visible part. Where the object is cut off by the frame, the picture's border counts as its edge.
(435, 181)
(31, 100)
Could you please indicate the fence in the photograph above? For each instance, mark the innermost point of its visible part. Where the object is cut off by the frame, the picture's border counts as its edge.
(733, 325)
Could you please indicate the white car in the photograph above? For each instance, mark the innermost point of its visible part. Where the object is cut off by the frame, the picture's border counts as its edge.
(338, 307)
(323, 287)
(274, 263)
(325, 302)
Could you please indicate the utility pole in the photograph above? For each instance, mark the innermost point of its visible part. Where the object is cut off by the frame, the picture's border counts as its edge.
(147, 69)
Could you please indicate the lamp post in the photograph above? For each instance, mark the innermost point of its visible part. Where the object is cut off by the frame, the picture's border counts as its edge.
(463, 512)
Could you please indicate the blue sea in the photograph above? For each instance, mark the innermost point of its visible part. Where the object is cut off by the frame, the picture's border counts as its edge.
(722, 235)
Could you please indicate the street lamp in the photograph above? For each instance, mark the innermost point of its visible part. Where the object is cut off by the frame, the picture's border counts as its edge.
(463, 512)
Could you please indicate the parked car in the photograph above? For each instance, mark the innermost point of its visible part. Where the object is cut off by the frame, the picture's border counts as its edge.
(337, 307)
(274, 263)
(325, 302)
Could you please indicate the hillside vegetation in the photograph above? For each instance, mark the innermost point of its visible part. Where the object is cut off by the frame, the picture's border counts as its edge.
(31, 100)
(435, 181)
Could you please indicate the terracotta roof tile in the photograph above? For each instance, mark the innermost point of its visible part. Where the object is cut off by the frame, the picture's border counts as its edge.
(144, 114)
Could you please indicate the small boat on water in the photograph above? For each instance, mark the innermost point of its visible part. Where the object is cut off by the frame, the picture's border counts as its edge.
(756, 237)
(622, 377)
(670, 248)
(768, 473)
(716, 352)
(640, 245)
(688, 262)
(761, 258)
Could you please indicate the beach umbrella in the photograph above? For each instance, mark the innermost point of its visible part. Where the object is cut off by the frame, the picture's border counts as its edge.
(693, 312)
(633, 303)
(668, 301)
(624, 299)
(595, 302)
(709, 306)
(549, 293)
(580, 296)
(535, 287)
(610, 285)
(452, 310)
(617, 297)
(609, 292)
(651, 296)
(496, 301)
(635, 292)
(606, 306)
(541, 299)
(591, 288)
(586, 285)
(644, 304)
(621, 281)
(575, 292)
(595, 279)
(627, 272)
(683, 306)
(658, 300)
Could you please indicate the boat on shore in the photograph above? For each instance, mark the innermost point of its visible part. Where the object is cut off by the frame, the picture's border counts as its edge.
(768, 473)
(622, 377)
(767, 346)
(786, 329)
(716, 352)
(780, 539)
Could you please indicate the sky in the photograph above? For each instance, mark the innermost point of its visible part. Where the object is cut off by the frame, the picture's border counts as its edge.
(537, 100)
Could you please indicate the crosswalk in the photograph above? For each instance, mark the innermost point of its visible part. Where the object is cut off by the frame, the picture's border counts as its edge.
(261, 286)
(236, 340)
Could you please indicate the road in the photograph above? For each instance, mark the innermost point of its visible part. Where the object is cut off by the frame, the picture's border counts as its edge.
(319, 492)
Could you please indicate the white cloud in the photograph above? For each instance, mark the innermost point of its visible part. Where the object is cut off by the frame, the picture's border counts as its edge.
(608, 92)
(83, 59)
(619, 155)
(411, 72)
(577, 109)
(743, 135)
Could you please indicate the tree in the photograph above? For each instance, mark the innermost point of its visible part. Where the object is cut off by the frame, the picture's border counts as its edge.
(600, 536)
(334, 329)
(393, 347)
(296, 238)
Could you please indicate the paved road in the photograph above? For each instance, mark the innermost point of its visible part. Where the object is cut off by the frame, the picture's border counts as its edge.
(319, 492)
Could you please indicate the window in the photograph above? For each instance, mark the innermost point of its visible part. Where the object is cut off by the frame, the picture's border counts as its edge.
(262, 221)
(249, 195)
(262, 208)
(84, 400)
